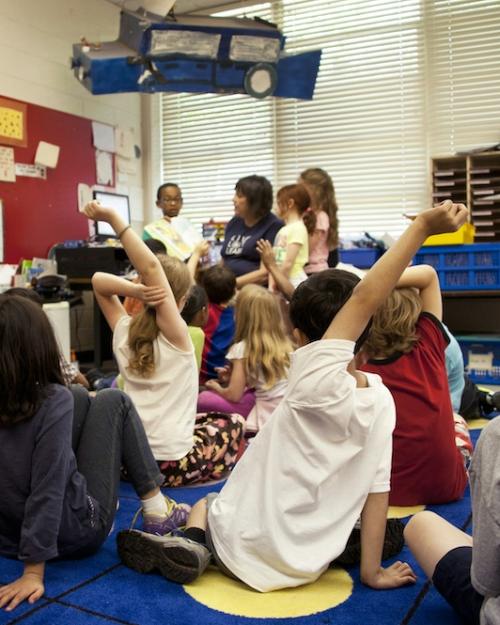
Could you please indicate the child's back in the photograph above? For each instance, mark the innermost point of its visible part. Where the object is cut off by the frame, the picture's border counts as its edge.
(427, 466)
(313, 464)
(220, 286)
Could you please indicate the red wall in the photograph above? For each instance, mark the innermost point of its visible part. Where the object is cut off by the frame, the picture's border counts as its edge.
(39, 213)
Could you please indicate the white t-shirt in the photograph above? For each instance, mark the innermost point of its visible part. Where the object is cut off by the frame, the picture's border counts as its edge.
(266, 399)
(293, 499)
(166, 401)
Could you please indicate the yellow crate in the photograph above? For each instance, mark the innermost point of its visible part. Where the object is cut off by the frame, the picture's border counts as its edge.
(465, 234)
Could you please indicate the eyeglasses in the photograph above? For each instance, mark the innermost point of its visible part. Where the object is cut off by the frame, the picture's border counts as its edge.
(171, 200)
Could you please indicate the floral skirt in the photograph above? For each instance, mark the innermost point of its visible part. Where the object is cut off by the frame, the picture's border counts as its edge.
(218, 443)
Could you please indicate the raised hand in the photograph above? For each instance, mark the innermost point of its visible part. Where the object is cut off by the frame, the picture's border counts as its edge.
(151, 295)
(445, 217)
(95, 211)
(266, 252)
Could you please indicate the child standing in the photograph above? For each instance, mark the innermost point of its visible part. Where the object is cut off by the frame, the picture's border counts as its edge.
(156, 359)
(323, 242)
(407, 349)
(291, 246)
(259, 357)
(61, 456)
(274, 524)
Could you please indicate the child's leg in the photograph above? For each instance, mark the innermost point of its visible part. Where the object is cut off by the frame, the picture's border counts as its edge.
(209, 401)
(445, 554)
(110, 432)
(218, 440)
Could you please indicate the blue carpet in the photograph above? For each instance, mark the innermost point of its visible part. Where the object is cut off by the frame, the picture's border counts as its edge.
(99, 590)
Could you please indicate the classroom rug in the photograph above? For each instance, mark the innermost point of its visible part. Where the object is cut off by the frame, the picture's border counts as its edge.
(101, 591)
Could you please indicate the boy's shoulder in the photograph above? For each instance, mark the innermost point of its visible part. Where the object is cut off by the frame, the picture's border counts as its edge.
(430, 329)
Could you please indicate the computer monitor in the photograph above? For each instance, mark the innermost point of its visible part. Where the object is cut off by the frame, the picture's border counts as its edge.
(113, 200)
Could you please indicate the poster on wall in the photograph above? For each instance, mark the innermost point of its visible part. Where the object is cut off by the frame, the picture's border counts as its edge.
(7, 165)
(13, 123)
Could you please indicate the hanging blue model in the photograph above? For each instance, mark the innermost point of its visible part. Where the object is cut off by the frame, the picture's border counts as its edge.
(198, 54)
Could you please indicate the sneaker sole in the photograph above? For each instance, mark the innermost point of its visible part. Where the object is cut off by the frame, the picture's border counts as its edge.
(144, 556)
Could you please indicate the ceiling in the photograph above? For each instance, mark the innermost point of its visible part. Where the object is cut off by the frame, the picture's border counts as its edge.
(181, 6)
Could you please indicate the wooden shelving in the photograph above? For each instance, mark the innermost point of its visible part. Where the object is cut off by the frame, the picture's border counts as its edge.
(475, 181)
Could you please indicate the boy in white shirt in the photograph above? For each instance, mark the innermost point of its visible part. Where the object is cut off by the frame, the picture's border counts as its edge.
(324, 459)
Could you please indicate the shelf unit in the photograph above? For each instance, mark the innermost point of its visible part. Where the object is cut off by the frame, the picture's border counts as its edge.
(473, 180)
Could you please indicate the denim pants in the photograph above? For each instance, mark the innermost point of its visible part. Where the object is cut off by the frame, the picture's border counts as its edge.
(108, 433)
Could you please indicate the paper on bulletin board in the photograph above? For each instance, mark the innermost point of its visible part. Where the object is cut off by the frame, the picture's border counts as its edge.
(104, 136)
(124, 142)
(13, 123)
(31, 171)
(7, 165)
(126, 166)
(104, 168)
(47, 154)
(84, 195)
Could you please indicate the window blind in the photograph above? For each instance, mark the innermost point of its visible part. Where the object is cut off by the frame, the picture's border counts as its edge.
(400, 81)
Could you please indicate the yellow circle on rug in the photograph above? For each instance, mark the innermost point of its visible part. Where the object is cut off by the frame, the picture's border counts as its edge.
(400, 512)
(477, 424)
(214, 590)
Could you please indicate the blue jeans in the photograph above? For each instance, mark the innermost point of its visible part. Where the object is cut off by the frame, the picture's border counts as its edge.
(108, 433)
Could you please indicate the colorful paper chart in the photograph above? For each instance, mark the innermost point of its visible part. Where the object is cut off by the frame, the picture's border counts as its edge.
(13, 126)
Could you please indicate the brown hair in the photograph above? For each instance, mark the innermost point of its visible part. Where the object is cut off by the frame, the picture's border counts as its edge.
(298, 193)
(29, 358)
(394, 325)
(143, 329)
(320, 187)
(260, 325)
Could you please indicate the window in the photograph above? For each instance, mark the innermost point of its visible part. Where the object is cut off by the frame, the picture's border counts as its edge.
(399, 82)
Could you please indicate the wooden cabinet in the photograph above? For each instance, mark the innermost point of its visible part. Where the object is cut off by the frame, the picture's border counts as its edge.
(475, 181)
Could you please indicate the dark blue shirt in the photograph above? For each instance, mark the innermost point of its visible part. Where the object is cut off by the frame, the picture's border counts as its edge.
(45, 510)
(239, 251)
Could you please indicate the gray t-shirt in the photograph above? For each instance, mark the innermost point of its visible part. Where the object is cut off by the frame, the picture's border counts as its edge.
(485, 485)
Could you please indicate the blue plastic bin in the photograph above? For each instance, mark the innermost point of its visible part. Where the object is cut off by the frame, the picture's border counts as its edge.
(481, 357)
(360, 257)
(473, 267)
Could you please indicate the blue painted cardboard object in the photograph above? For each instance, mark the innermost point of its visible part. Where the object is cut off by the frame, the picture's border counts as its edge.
(198, 54)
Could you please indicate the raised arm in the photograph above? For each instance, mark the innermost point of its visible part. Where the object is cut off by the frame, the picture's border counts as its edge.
(151, 273)
(425, 279)
(369, 294)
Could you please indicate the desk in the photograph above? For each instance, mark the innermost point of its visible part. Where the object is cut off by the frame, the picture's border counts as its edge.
(79, 264)
(472, 312)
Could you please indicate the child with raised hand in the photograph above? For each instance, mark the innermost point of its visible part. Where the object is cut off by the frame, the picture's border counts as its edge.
(259, 357)
(406, 348)
(61, 456)
(274, 525)
(156, 359)
(291, 245)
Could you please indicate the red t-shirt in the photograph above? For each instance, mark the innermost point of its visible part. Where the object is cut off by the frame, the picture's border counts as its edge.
(427, 467)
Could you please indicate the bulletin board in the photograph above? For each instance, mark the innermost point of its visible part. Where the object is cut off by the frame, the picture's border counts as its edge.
(38, 213)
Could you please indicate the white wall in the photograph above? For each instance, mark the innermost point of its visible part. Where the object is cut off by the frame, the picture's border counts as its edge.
(36, 38)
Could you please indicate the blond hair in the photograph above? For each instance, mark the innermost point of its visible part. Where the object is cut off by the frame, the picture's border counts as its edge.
(320, 187)
(260, 325)
(394, 325)
(143, 329)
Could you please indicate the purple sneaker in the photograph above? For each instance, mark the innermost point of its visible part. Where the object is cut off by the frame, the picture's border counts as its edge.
(176, 516)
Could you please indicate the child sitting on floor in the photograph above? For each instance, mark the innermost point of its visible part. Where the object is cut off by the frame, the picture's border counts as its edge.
(195, 314)
(463, 569)
(324, 457)
(156, 359)
(406, 347)
(219, 283)
(259, 357)
(61, 456)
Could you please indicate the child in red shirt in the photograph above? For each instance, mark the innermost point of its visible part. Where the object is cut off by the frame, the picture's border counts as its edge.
(406, 348)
